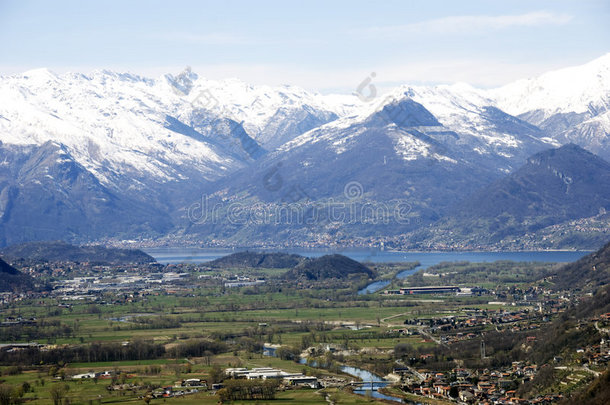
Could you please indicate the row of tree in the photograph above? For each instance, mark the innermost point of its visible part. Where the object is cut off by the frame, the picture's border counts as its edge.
(236, 390)
(138, 349)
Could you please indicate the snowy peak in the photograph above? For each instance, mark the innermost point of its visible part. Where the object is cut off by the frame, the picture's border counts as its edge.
(110, 122)
(578, 89)
(117, 122)
(270, 115)
(137, 149)
(183, 82)
(446, 122)
(569, 105)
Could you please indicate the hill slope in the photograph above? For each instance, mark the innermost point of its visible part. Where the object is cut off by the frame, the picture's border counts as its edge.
(388, 170)
(12, 279)
(257, 260)
(590, 272)
(325, 267)
(63, 252)
(45, 194)
(553, 187)
(569, 105)
(115, 155)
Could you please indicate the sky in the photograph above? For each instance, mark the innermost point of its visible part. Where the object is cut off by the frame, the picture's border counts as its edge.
(326, 46)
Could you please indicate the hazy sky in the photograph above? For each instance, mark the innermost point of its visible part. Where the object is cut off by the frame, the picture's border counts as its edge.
(320, 45)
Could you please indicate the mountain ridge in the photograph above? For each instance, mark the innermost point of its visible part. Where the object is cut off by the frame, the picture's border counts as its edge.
(58, 251)
(151, 149)
(547, 190)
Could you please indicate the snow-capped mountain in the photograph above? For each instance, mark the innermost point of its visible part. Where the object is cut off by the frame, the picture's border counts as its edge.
(145, 144)
(46, 194)
(156, 145)
(426, 147)
(270, 115)
(115, 123)
(110, 123)
(577, 89)
(570, 105)
(453, 124)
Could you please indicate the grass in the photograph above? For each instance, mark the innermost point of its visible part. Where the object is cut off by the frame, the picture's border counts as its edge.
(112, 364)
(84, 391)
(210, 312)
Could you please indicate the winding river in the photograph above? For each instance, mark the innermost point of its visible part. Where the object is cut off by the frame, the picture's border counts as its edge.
(428, 259)
(371, 382)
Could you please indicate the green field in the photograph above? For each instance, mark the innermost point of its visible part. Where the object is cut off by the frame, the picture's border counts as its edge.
(236, 321)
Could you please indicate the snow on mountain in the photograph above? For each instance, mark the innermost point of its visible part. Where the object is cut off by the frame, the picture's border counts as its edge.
(577, 89)
(593, 133)
(270, 115)
(116, 122)
(157, 145)
(111, 123)
(465, 122)
(414, 153)
(569, 104)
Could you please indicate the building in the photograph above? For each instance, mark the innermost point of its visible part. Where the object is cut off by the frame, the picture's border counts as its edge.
(430, 290)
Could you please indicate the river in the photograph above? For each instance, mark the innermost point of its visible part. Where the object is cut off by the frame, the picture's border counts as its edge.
(428, 259)
(372, 381)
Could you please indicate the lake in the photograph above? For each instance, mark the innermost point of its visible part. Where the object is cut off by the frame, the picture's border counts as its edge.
(426, 259)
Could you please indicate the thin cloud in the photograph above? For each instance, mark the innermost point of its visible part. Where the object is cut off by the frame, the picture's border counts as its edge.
(213, 38)
(479, 72)
(474, 23)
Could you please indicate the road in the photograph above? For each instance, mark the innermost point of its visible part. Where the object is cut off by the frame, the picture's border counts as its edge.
(602, 329)
(583, 368)
(422, 331)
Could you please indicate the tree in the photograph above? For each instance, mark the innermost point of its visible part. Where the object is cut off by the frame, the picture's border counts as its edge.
(6, 395)
(402, 350)
(58, 392)
(216, 374)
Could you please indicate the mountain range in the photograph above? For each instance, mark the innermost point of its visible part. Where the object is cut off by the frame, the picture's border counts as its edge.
(183, 159)
(553, 187)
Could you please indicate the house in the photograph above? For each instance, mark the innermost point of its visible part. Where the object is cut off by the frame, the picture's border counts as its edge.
(466, 396)
(105, 374)
(303, 381)
(194, 382)
(505, 383)
(83, 376)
